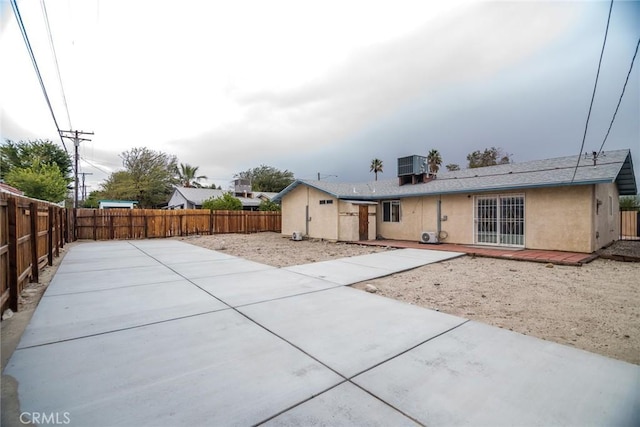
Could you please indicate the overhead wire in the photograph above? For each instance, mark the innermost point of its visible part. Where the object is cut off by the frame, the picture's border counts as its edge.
(620, 99)
(94, 165)
(25, 37)
(55, 59)
(593, 95)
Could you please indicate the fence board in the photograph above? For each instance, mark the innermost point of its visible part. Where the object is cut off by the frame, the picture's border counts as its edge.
(25, 239)
(630, 225)
(116, 224)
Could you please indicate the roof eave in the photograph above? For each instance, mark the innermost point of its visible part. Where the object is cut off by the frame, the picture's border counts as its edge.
(474, 191)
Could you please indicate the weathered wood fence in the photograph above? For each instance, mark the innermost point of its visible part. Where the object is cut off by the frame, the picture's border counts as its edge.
(110, 224)
(31, 234)
(629, 225)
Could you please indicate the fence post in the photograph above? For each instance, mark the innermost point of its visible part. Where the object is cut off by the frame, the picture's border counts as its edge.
(131, 236)
(66, 226)
(12, 214)
(74, 227)
(95, 225)
(33, 213)
(112, 229)
(57, 234)
(61, 222)
(50, 236)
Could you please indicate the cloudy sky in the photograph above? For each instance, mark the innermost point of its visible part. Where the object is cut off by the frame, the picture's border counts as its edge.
(321, 86)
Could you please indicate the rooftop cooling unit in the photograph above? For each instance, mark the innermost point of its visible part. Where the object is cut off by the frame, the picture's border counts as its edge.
(412, 165)
(429, 237)
(297, 236)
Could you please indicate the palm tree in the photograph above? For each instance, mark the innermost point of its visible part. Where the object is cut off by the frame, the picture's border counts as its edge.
(434, 160)
(188, 176)
(376, 166)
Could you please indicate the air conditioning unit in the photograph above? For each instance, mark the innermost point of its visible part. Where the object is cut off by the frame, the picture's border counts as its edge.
(429, 237)
(297, 236)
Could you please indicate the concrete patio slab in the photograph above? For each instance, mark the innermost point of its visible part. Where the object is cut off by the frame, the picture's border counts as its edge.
(87, 281)
(350, 330)
(339, 271)
(212, 369)
(399, 260)
(344, 405)
(124, 261)
(482, 375)
(258, 286)
(86, 256)
(190, 256)
(196, 270)
(83, 314)
(347, 271)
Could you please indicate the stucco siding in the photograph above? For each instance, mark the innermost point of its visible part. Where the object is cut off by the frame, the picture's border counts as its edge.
(606, 215)
(323, 218)
(348, 221)
(458, 226)
(559, 218)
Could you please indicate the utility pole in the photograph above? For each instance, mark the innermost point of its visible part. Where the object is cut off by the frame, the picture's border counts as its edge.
(84, 187)
(74, 135)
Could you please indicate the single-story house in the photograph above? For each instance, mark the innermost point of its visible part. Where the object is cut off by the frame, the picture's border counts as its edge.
(117, 204)
(192, 198)
(544, 204)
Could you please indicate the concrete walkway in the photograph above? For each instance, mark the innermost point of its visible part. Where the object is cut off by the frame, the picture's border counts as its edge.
(165, 333)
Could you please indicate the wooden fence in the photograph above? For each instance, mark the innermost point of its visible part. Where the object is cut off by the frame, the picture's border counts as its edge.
(31, 234)
(629, 225)
(110, 224)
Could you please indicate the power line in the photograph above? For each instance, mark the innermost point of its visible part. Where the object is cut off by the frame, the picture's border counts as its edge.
(620, 100)
(94, 165)
(55, 58)
(25, 37)
(593, 95)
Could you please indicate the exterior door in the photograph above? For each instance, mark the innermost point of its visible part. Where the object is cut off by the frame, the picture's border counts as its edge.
(363, 216)
(499, 220)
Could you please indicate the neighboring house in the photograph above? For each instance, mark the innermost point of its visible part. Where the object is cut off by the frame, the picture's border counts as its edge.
(192, 198)
(117, 204)
(535, 205)
(6, 188)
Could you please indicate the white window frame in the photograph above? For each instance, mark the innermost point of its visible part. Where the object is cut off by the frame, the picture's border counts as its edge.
(392, 218)
(498, 223)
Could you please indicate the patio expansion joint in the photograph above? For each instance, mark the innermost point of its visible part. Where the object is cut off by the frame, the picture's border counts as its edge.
(107, 289)
(345, 379)
(121, 329)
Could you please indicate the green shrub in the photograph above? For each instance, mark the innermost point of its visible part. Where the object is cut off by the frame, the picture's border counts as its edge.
(226, 202)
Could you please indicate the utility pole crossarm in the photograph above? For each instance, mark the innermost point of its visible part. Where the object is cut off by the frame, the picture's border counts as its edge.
(74, 135)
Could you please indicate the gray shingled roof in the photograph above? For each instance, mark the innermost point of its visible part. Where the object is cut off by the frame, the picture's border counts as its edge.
(612, 166)
(198, 195)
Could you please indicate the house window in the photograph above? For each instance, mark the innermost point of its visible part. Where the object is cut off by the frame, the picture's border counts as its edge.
(326, 202)
(391, 211)
(499, 220)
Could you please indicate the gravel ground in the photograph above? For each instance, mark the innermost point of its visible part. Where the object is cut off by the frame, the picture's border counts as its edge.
(595, 307)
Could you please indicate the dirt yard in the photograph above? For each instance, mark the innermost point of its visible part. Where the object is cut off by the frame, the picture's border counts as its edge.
(595, 307)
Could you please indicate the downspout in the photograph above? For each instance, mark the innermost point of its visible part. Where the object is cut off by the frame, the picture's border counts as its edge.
(439, 213)
(306, 215)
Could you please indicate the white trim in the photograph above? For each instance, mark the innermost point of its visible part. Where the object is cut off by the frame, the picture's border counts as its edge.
(497, 223)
